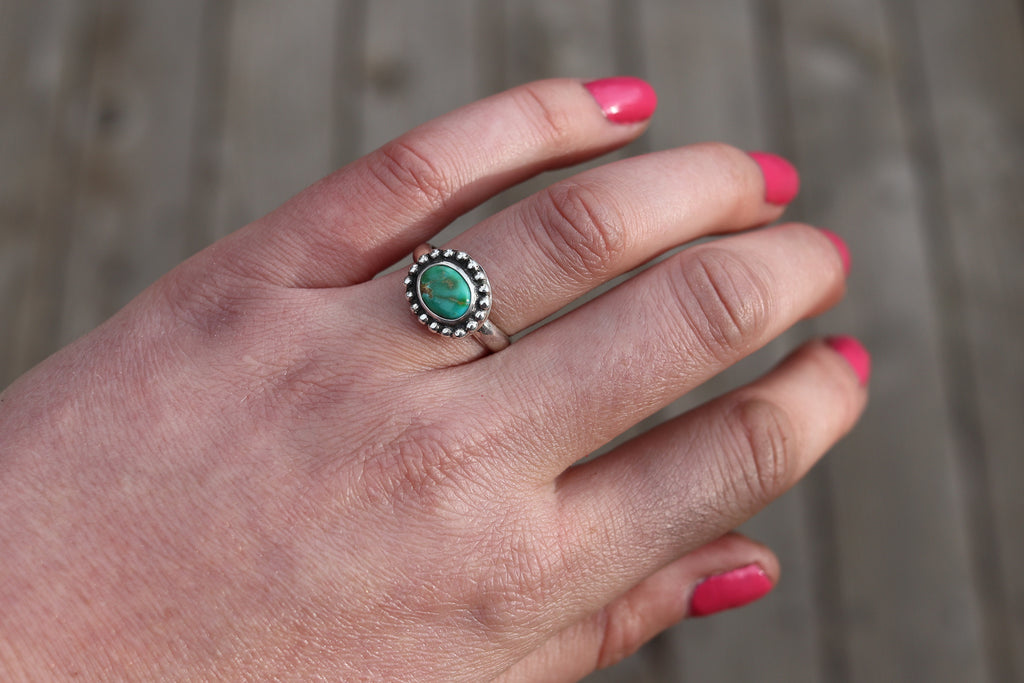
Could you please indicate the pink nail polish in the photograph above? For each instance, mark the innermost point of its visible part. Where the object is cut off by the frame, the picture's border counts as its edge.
(844, 251)
(855, 354)
(731, 589)
(624, 99)
(781, 180)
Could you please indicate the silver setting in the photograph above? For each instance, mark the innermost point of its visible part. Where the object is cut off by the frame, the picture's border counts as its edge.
(474, 322)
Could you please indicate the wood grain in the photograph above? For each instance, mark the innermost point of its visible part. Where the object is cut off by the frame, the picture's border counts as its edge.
(44, 76)
(128, 211)
(968, 105)
(904, 590)
(278, 109)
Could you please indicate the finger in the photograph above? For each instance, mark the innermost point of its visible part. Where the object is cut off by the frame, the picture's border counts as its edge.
(690, 480)
(366, 216)
(727, 572)
(546, 251)
(630, 352)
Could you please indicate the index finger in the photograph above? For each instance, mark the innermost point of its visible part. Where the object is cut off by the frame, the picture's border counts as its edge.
(347, 227)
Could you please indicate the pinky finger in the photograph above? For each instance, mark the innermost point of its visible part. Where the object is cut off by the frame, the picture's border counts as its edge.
(729, 572)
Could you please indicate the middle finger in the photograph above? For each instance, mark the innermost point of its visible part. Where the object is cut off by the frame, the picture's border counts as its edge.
(600, 369)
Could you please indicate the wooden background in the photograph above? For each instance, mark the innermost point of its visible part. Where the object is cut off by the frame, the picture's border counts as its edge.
(134, 132)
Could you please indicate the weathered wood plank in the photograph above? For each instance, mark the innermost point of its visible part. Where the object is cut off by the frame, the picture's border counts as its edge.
(420, 62)
(572, 39)
(418, 65)
(703, 59)
(131, 198)
(42, 74)
(906, 609)
(969, 112)
(278, 132)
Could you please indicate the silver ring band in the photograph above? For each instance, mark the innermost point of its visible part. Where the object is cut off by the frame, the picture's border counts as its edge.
(449, 293)
(491, 338)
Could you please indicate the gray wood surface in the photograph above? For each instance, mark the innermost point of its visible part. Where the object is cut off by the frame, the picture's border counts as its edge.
(850, 139)
(971, 100)
(407, 45)
(134, 132)
(42, 70)
(276, 102)
(128, 207)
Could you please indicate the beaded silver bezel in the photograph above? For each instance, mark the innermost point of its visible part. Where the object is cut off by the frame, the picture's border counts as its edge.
(470, 270)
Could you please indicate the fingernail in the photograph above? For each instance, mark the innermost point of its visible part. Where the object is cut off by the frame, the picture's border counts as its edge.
(781, 180)
(732, 589)
(624, 99)
(844, 251)
(855, 354)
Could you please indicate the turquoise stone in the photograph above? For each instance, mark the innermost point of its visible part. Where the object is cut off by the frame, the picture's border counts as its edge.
(445, 292)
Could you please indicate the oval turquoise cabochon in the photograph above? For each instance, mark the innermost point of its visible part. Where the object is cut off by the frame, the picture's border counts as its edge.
(445, 291)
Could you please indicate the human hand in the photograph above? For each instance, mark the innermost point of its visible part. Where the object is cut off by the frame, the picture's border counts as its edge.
(265, 468)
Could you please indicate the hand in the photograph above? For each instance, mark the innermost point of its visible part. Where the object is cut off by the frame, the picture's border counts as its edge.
(265, 468)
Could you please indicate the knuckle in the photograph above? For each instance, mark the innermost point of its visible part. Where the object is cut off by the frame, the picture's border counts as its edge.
(723, 299)
(496, 611)
(511, 594)
(410, 174)
(433, 465)
(624, 628)
(213, 308)
(508, 574)
(581, 232)
(425, 468)
(554, 125)
(720, 152)
(730, 166)
(760, 452)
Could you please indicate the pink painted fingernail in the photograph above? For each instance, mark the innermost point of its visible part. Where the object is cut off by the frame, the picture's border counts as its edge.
(781, 180)
(624, 99)
(855, 354)
(844, 251)
(732, 589)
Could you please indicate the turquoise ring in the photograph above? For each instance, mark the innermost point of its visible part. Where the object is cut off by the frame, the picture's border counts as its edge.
(449, 293)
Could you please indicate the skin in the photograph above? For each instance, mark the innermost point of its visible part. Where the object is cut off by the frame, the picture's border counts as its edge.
(265, 468)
